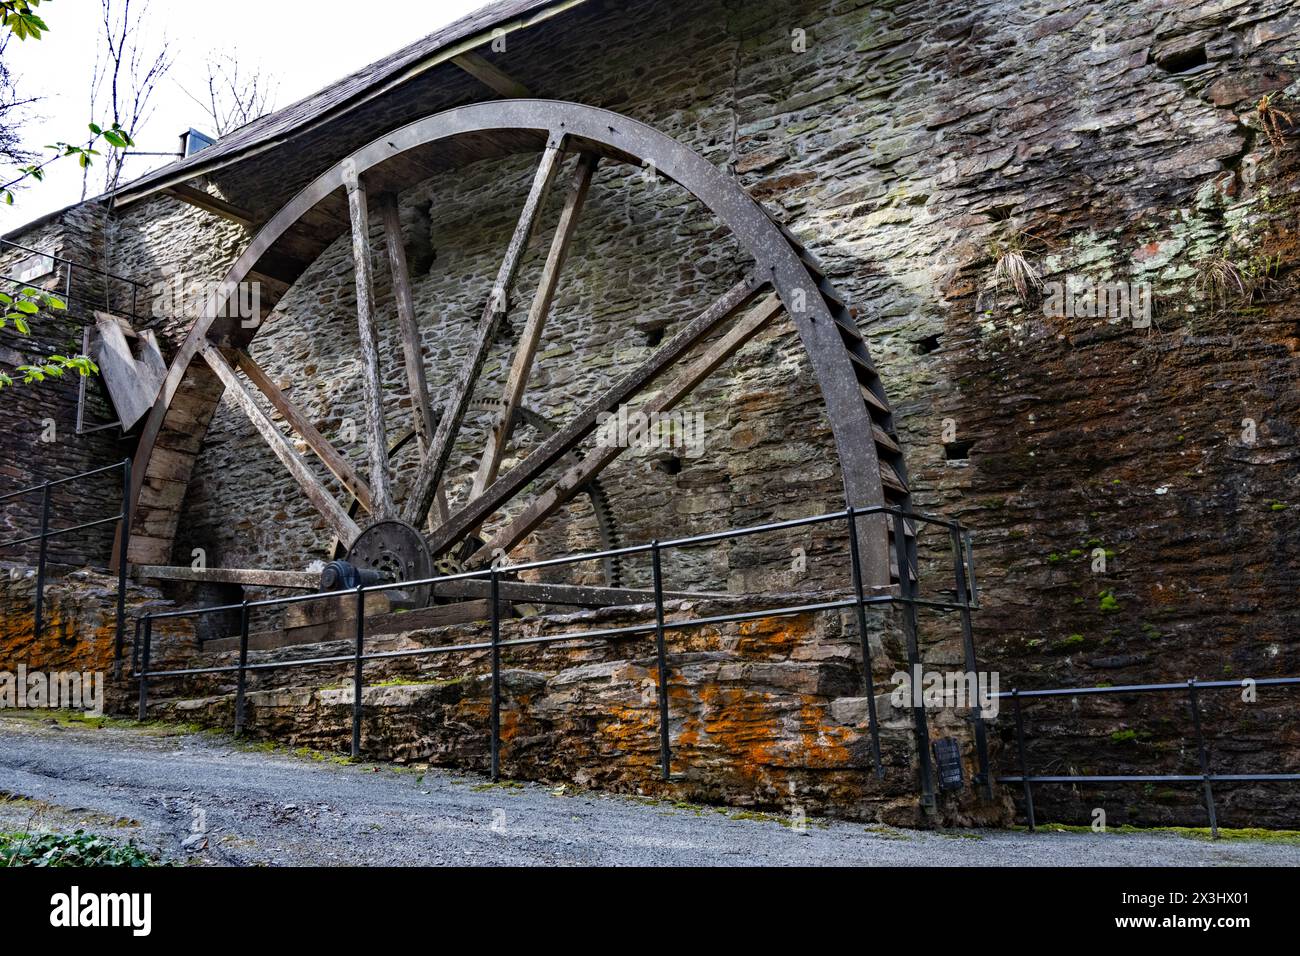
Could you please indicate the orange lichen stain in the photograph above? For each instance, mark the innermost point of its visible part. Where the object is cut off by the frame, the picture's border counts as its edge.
(743, 723)
(824, 745)
(773, 637)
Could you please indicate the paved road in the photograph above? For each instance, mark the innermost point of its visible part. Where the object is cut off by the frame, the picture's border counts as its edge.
(259, 807)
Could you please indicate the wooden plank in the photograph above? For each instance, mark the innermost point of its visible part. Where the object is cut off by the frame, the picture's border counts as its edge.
(213, 204)
(333, 459)
(584, 422)
(133, 383)
(531, 336)
(257, 577)
(576, 477)
(412, 350)
(492, 76)
(431, 468)
(320, 498)
(381, 493)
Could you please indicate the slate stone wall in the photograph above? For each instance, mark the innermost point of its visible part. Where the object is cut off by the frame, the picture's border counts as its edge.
(1132, 486)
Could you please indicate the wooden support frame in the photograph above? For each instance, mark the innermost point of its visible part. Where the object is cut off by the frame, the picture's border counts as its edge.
(531, 336)
(417, 381)
(573, 480)
(330, 457)
(584, 423)
(372, 388)
(435, 462)
(317, 494)
(491, 76)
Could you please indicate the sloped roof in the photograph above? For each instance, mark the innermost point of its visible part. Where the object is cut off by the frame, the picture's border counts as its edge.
(470, 31)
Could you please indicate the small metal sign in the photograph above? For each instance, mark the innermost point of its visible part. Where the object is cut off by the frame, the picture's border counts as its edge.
(947, 755)
(35, 267)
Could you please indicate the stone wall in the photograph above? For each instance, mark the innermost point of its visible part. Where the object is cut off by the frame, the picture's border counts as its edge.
(911, 145)
(768, 713)
(38, 421)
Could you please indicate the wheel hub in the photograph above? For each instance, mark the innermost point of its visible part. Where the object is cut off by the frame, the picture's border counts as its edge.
(397, 552)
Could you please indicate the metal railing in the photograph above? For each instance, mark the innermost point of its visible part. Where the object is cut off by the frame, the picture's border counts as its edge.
(1191, 688)
(68, 268)
(964, 591)
(124, 533)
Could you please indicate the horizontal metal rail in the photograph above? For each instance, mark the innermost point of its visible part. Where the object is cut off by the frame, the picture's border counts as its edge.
(1191, 687)
(46, 533)
(963, 590)
(61, 481)
(709, 538)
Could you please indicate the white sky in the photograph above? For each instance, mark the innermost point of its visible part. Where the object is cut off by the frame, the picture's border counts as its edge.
(305, 44)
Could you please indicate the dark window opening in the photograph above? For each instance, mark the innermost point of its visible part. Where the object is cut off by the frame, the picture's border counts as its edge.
(957, 450)
(1183, 61)
(928, 344)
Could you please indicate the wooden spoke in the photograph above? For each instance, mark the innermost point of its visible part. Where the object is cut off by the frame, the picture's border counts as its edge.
(376, 439)
(573, 480)
(412, 350)
(582, 425)
(522, 366)
(435, 462)
(334, 460)
(317, 494)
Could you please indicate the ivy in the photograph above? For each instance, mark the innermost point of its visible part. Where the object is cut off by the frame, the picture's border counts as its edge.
(19, 308)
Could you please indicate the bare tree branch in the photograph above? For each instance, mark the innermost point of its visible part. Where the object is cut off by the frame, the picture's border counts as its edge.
(128, 69)
(234, 95)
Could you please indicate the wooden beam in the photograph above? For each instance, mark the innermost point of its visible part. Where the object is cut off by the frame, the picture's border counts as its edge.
(492, 76)
(321, 499)
(334, 460)
(584, 423)
(531, 336)
(578, 476)
(213, 204)
(377, 441)
(431, 469)
(412, 350)
(257, 577)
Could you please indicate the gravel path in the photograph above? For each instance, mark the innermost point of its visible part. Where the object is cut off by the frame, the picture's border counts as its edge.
(257, 807)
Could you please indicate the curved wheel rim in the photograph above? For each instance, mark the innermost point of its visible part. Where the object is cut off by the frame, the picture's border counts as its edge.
(859, 415)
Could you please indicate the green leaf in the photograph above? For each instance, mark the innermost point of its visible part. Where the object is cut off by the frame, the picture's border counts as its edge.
(30, 308)
(21, 325)
(54, 302)
(94, 128)
(115, 139)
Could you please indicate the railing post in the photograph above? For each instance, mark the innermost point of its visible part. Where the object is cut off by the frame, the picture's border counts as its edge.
(968, 650)
(135, 645)
(356, 672)
(1205, 758)
(495, 721)
(124, 535)
(241, 682)
(665, 747)
(1024, 765)
(855, 556)
(39, 621)
(920, 724)
(144, 665)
